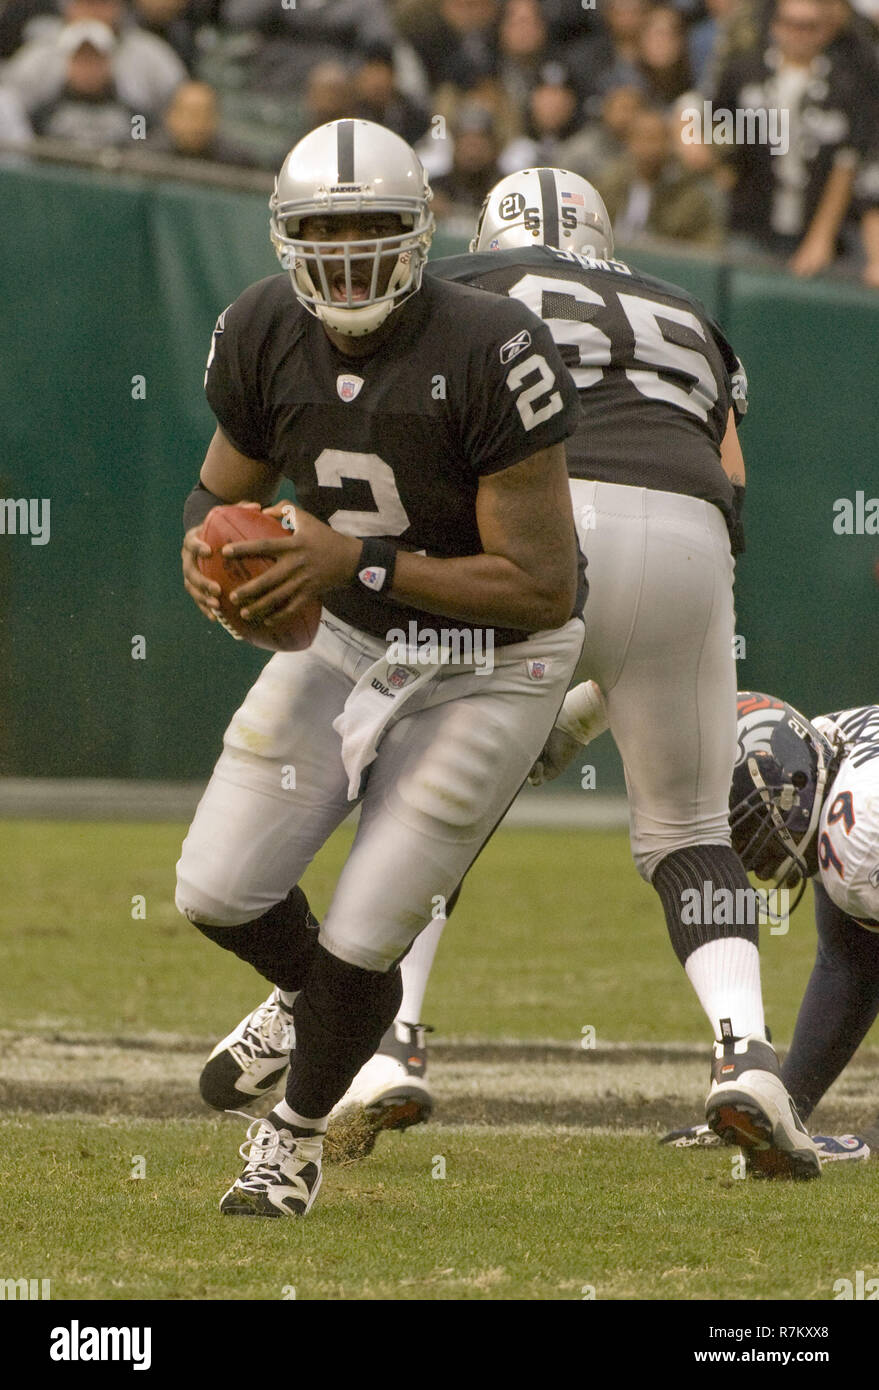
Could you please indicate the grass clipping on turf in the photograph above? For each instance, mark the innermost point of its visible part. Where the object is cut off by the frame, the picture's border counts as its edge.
(350, 1137)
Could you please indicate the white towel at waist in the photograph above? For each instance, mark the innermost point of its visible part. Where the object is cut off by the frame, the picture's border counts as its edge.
(377, 698)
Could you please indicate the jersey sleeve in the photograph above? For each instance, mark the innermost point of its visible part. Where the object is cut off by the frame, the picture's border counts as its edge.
(523, 396)
(231, 387)
(848, 840)
(737, 375)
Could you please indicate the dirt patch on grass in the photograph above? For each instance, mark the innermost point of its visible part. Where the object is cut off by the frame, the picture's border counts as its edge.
(642, 1086)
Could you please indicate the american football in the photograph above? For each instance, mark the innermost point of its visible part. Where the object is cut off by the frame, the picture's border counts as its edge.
(236, 523)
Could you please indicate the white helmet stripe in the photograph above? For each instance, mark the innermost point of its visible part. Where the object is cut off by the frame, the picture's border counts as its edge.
(550, 199)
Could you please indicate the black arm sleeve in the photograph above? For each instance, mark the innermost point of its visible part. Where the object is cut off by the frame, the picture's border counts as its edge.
(198, 504)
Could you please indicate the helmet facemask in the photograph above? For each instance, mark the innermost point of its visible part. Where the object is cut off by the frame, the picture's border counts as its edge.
(315, 265)
(773, 829)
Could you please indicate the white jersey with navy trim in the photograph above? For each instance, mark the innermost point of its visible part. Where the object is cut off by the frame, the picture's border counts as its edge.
(848, 832)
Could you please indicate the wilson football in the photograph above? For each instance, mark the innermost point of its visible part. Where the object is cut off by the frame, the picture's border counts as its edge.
(234, 523)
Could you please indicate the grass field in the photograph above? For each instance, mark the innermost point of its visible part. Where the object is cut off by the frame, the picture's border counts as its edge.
(554, 1184)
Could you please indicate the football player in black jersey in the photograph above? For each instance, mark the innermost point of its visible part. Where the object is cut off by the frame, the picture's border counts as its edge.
(657, 480)
(422, 427)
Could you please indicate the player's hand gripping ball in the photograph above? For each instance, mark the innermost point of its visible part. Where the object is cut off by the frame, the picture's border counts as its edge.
(234, 523)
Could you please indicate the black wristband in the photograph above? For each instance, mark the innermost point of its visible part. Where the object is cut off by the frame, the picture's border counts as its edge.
(197, 505)
(375, 568)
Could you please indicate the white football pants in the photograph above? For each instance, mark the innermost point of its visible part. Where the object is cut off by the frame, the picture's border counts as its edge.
(445, 772)
(659, 643)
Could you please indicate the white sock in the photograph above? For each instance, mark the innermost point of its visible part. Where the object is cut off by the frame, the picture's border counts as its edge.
(416, 970)
(288, 997)
(291, 1117)
(726, 976)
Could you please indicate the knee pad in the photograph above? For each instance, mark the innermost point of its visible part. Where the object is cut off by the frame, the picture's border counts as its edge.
(706, 896)
(447, 784)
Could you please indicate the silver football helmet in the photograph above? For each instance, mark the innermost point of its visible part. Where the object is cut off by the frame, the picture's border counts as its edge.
(352, 166)
(544, 207)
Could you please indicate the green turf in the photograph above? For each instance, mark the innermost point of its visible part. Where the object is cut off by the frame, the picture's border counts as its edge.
(554, 931)
(518, 1215)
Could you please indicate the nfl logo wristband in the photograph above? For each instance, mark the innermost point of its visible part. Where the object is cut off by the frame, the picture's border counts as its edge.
(375, 568)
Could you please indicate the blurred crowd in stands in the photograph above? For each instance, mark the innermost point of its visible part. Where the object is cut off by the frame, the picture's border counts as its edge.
(751, 125)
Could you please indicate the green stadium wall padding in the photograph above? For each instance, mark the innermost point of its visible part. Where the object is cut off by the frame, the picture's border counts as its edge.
(105, 277)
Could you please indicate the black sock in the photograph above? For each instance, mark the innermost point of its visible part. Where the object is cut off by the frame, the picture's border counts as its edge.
(280, 944)
(839, 1007)
(702, 869)
(340, 1018)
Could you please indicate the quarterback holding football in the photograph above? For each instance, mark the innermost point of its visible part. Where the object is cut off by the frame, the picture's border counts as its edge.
(422, 426)
(656, 478)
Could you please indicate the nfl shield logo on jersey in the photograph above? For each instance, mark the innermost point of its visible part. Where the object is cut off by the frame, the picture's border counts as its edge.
(537, 669)
(348, 386)
(398, 676)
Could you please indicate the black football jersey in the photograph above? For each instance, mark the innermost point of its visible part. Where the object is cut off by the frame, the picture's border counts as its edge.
(392, 444)
(655, 374)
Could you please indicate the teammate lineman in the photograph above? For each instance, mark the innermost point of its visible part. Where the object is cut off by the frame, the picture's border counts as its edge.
(422, 427)
(657, 479)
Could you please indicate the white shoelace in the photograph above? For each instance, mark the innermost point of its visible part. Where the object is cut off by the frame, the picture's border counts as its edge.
(267, 1026)
(267, 1147)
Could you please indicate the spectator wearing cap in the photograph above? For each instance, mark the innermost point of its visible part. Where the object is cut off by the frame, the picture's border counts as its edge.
(792, 196)
(459, 194)
(145, 69)
(650, 191)
(377, 97)
(553, 115)
(87, 112)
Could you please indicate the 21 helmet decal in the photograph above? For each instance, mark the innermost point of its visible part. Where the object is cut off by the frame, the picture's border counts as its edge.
(352, 166)
(783, 769)
(544, 207)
